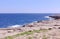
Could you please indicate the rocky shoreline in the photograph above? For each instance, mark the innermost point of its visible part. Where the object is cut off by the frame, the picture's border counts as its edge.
(53, 26)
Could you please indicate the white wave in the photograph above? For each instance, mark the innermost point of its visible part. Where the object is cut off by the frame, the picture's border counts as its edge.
(46, 17)
(49, 17)
(14, 26)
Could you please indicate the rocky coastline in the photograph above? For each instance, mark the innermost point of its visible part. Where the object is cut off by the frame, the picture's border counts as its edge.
(45, 29)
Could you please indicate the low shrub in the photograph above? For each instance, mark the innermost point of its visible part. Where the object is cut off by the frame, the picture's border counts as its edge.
(9, 37)
(58, 27)
(49, 28)
(29, 37)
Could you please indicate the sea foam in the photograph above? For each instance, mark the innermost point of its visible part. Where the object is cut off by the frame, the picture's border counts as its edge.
(14, 26)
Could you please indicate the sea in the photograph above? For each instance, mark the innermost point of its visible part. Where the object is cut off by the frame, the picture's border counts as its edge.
(17, 19)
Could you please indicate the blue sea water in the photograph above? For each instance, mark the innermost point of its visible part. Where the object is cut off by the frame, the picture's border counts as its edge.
(19, 19)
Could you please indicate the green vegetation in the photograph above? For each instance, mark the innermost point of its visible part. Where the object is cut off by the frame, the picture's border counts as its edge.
(29, 37)
(37, 31)
(44, 37)
(44, 30)
(29, 32)
(9, 37)
(26, 33)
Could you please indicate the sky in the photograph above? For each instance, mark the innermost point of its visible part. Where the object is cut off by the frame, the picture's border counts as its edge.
(29, 6)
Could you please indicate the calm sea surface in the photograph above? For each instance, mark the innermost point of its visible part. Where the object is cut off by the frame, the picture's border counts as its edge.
(19, 19)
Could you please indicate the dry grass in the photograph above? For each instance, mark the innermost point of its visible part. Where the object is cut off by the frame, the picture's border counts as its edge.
(25, 33)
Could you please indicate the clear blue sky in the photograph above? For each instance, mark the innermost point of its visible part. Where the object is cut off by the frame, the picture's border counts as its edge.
(31, 6)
